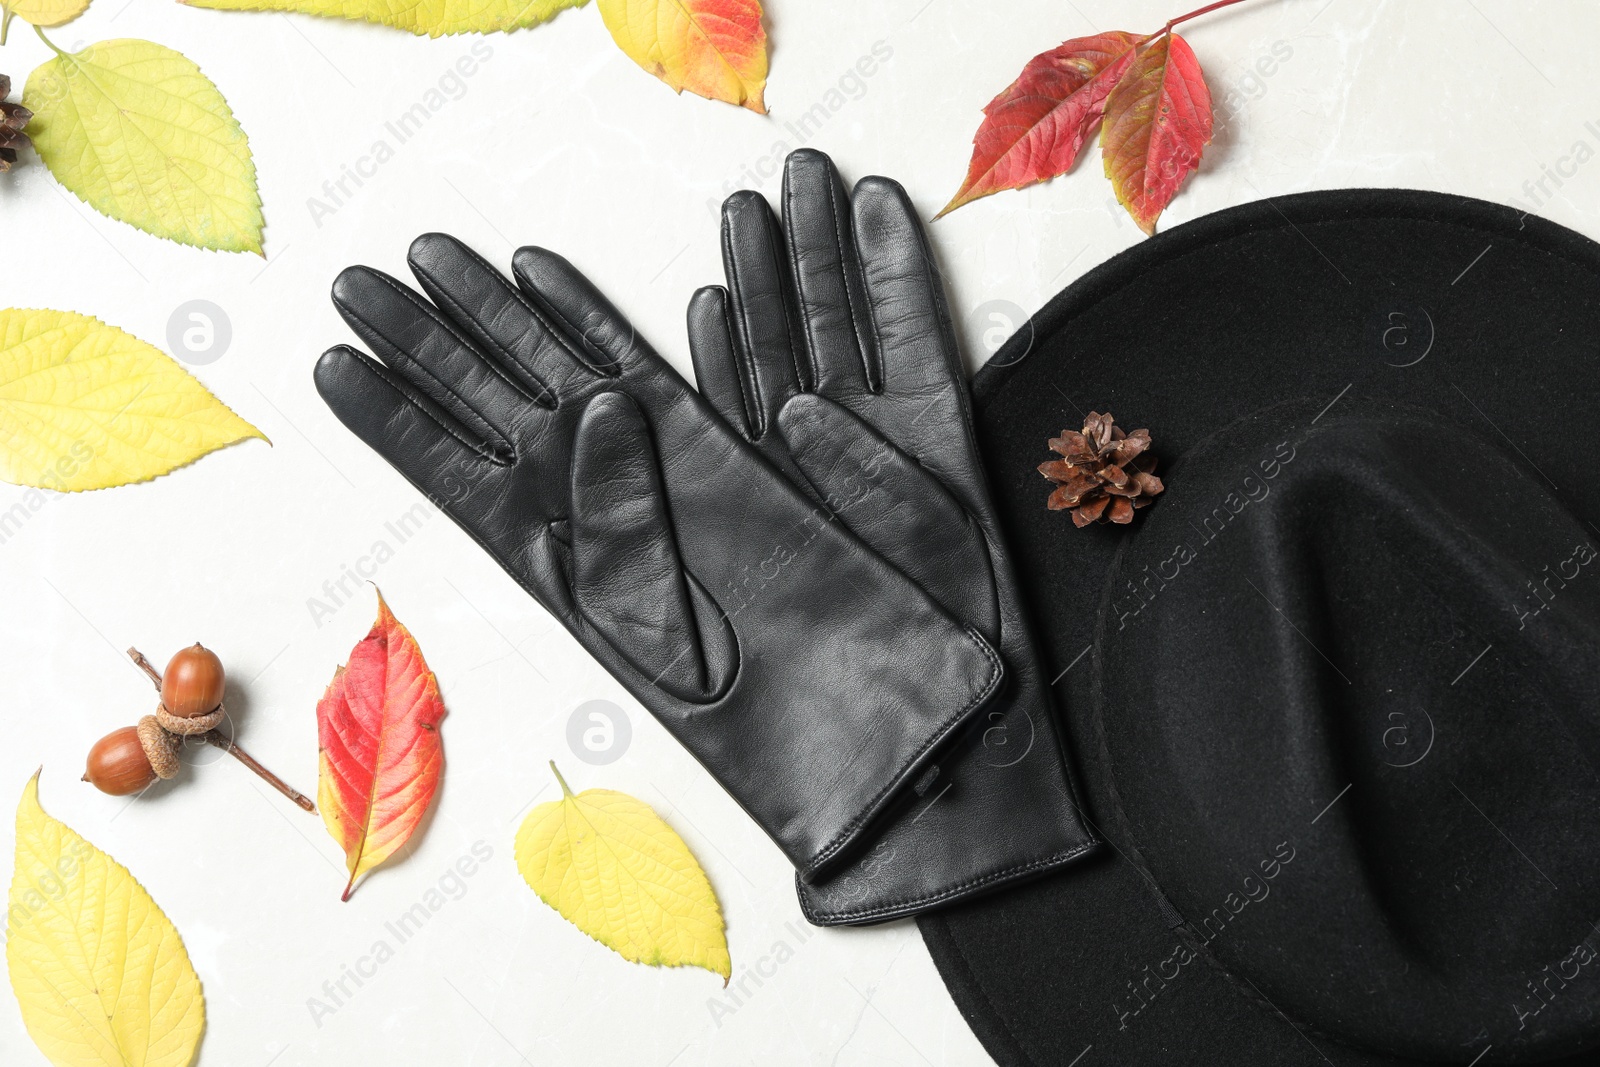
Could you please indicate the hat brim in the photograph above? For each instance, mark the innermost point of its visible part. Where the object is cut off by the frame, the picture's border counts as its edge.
(1480, 312)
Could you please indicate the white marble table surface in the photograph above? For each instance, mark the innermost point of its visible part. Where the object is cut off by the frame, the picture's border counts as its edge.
(557, 138)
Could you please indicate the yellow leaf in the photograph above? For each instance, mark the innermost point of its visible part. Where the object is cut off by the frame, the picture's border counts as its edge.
(713, 48)
(139, 134)
(47, 12)
(84, 405)
(99, 971)
(620, 874)
(435, 18)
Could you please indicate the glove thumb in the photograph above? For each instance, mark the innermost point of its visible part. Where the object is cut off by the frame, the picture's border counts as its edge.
(892, 503)
(627, 578)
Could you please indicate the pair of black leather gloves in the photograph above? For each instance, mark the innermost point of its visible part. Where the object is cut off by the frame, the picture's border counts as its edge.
(797, 569)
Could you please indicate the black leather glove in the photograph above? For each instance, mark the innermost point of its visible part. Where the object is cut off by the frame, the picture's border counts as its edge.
(835, 356)
(811, 678)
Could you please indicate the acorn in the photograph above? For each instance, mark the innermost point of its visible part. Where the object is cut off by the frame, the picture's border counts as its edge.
(133, 758)
(193, 683)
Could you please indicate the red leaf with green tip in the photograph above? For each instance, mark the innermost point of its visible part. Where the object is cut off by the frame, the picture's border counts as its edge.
(378, 730)
(1157, 122)
(1035, 128)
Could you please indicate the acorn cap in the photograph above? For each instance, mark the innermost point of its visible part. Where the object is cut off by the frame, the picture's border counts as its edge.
(158, 747)
(199, 724)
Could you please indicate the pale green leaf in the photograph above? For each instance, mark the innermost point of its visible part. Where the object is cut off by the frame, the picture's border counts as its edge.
(435, 18)
(47, 12)
(139, 134)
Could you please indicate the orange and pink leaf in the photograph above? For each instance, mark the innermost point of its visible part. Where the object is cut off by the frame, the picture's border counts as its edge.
(1157, 122)
(713, 48)
(378, 732)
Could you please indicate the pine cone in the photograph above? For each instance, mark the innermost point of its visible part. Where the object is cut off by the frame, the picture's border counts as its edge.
(12, 118)
(1105, 473)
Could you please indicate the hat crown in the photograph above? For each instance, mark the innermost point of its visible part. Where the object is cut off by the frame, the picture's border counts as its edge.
(1481, 313)
(1348, 690)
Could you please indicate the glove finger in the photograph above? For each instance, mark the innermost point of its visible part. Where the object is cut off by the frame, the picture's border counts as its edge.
(764, 319)
(588, 322)
(717, 369)
(916, 345)
(626, 575)
(891, 502)
(827, 276)
(484, 303)
(419, 345)
(401, 425)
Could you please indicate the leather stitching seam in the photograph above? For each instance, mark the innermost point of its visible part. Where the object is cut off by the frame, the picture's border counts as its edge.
(846, 835)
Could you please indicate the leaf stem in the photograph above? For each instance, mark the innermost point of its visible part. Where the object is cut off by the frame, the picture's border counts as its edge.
(48, 43)
(565, 789)
(217, 740)
(6, 15)
(1196, 14)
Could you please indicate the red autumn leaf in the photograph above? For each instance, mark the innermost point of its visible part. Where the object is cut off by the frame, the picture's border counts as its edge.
(378, 731)
(1157, 122)
(1035, 128)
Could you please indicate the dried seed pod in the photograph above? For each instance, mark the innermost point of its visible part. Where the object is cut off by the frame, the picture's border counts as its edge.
(1104, 472)
(13, 117)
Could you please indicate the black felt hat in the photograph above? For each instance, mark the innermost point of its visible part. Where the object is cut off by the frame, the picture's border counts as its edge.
(1334, 696)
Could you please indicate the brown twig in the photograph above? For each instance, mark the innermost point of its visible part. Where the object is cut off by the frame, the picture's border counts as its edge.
(212, 737)
(217, 740)
(144, 665)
